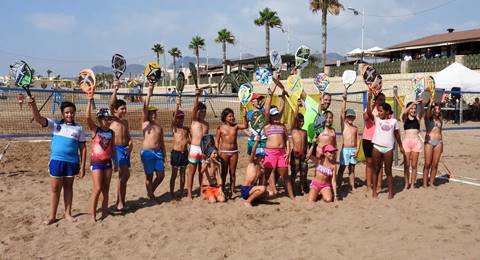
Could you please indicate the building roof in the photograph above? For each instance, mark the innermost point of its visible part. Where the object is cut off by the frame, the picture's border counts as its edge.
(437, 40)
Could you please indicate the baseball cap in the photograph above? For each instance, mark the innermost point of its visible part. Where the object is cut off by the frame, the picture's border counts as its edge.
(152, 108)
(104, 112)
(257, 96)
(329, 148)
(274, 111)
(350, 112)
(260, 152)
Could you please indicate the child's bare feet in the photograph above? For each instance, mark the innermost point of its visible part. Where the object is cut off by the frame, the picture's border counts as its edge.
(120, 206)
(50, 221)
(69, 218)
(248, 204)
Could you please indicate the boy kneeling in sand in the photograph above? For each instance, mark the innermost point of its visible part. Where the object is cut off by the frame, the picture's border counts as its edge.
(153, 152)
(211, 170)
(249, 190)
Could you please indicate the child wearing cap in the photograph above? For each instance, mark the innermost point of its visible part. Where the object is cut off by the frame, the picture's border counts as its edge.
(277, 147)
(324, 182)
(199, 128)
(153, 148)
(351, 142)
(102, 152)
(250, 190)
(179, 153)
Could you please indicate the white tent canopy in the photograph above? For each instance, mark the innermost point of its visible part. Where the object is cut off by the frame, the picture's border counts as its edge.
(355, 52)
(373, 50)
(457, 75)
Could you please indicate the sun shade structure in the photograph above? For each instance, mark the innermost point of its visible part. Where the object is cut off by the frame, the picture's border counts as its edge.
(457, 75)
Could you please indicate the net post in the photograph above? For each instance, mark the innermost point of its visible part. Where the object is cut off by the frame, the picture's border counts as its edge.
(395, 111)
(461, 109)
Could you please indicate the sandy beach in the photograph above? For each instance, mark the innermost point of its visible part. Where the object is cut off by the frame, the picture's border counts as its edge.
(435, 223)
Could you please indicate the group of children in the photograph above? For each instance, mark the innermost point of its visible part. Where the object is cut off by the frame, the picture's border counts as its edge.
(271, 151)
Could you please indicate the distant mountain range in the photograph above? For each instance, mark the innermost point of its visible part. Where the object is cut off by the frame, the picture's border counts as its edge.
(184, 61)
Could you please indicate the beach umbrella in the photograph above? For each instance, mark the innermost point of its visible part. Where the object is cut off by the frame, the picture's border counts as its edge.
(357, 52)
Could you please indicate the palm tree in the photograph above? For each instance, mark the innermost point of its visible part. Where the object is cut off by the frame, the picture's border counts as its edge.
(159, 50)
(48, 73)
(225, 36)
(176, 53)
(325, 6)
(269, 19)
(196, 44)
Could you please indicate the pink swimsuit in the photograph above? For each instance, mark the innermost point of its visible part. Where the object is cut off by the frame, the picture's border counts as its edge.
(316, 184)
(275, 157)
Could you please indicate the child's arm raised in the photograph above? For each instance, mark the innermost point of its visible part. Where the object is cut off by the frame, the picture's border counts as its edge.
(195, 104)
(369, 106)
(268, 103)
(90, 122)
(178, 102)
(113, 98)
(36, 114)
(244, 124)
(428, 114)
(147, 102)
(342, 112)
(421, 114)
(406, 109)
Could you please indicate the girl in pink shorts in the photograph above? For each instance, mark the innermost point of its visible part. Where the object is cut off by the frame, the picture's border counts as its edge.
(411, 142)
(276, 155)
(324, 182)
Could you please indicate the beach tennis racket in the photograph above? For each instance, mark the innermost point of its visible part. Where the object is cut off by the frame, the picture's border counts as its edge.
(207, 145)
(275, 60)
(152, 72)
(294, 85)
(321, 82)
(372, 79)
(87, 82)
(301, 56)
(257, 121)
(119, 65)
(430, 86)
(22, 74)
(244, 94)
(193, 71)
(180, 84)
(420, 90)
(263, 76)
(348, 78)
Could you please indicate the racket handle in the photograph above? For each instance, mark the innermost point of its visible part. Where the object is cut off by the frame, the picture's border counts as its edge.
(93, 103)
(27, 89)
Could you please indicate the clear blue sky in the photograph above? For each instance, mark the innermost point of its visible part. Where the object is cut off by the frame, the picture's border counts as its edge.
(65, 36)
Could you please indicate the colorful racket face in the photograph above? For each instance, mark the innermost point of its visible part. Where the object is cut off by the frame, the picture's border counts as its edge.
(301, 56)
(152, 72)
(430, 86)
(275, 60)
(258, 121)
(244, 94)
(377, 85)
(420, 89)
(263, 76)
(207, 145)
(348, 78)
(294, 85)
(22, 74)
(87, 81)
(119, 65)
(369, 74)
(321, 82)
(180, 83)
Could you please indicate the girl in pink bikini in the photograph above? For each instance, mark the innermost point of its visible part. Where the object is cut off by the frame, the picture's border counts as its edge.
(324, 183)
(277, 147)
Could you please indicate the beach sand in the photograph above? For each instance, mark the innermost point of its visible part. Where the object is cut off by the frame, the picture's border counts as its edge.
(435, 223)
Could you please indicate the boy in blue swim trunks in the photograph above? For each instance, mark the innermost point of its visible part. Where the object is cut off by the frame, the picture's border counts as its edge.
(179, 153)
(123, 144)
(250, 190)
(153, 152)
(68, 138)
(351, 142)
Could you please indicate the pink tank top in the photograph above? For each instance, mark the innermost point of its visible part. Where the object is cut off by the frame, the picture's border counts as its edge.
(369, 129)
(101, 146)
